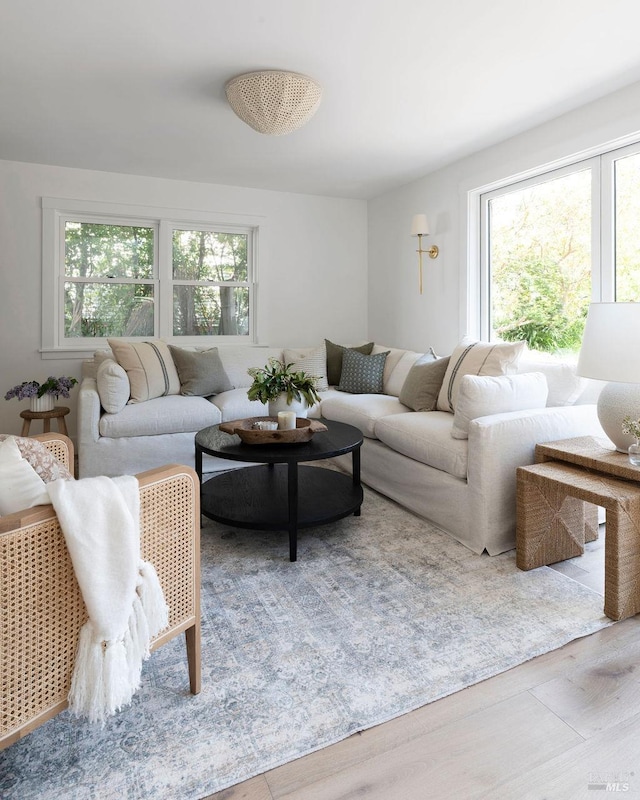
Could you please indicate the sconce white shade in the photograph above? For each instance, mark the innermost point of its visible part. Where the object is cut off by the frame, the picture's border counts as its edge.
(611, 343)
(611, 352)
(419, 225)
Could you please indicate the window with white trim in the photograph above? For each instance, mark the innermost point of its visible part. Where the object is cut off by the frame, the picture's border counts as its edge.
(555, 242)
(113, 271)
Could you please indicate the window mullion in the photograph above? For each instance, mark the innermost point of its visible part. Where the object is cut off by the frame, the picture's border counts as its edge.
(164, 274)
(605, 288)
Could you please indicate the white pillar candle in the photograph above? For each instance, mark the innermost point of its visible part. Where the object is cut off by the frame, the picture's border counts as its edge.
(286, 420)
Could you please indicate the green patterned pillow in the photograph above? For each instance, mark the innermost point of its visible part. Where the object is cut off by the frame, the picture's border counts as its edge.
(362, 374)
(334, 359)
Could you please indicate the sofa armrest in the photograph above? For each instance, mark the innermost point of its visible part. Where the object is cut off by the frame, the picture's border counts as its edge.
(501, 442)
(88, 412)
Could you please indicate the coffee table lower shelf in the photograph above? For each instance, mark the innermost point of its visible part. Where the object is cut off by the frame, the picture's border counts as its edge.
(263, 498)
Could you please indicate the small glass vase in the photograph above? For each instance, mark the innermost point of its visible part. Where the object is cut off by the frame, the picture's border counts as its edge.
(44, 403)
(634, 454)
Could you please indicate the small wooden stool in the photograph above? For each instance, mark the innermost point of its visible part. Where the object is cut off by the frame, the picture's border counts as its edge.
(59, 413)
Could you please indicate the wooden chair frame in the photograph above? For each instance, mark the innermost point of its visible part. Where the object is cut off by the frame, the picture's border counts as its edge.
(41, 607)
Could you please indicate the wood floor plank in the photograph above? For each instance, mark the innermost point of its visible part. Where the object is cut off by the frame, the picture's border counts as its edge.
(254, 789)
(462, 759)
(599, 695)
(583, 772)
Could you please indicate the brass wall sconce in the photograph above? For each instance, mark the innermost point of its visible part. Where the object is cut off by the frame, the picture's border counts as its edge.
(420, 228)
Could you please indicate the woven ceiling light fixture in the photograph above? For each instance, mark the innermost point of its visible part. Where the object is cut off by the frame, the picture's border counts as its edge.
(272, 101)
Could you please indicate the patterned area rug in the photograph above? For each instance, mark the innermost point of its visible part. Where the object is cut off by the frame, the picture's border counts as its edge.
(381, 614)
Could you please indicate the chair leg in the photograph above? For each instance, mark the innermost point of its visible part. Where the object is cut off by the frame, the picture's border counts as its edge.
(192, 636)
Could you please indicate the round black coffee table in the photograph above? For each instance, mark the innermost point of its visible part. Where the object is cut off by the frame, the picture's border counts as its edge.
(281, 493)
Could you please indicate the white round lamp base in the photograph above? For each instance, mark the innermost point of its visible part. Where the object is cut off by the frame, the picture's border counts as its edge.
(617, 401)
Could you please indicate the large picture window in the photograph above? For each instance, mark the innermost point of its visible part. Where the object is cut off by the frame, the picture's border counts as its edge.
(111, 273)
(555, 242)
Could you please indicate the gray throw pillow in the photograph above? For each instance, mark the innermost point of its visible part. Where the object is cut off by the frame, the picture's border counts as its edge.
(362, 374)
(422, 385)
(334, 359)
(201, 372)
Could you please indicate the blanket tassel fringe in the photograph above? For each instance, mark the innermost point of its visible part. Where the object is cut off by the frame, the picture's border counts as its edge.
(107, 673)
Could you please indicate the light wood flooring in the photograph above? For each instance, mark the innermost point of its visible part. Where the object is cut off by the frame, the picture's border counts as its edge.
(563, 726)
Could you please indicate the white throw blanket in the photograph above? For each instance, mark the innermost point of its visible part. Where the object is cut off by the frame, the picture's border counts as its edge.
(100, 519)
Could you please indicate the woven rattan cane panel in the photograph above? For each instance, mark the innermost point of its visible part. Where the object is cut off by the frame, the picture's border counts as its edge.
(41, 607)
(166, 515)
(41, 612)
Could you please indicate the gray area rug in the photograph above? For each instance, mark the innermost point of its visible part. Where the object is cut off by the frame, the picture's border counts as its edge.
(380, 615)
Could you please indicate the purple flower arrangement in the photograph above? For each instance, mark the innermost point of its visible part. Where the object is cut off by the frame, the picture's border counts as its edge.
(28, 389)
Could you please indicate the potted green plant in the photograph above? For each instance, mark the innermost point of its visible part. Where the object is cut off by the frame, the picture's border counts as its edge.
(283, 388)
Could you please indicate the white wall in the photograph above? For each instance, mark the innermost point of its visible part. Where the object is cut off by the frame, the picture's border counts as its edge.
(312, 271)
(398, 315)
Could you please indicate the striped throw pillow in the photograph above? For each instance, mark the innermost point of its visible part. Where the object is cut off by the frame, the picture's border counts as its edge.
(149, 366)
(477, 358)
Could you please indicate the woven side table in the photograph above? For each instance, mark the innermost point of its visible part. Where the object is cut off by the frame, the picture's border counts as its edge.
(551, 515)
(58, 413)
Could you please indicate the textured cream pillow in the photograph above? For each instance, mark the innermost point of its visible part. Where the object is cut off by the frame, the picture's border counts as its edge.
(113, 386)
(480, 396)
(20, 486)
(477, 358)
(149, 366)
(313, 361)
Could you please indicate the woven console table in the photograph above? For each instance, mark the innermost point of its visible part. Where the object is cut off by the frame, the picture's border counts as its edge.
(553, 522)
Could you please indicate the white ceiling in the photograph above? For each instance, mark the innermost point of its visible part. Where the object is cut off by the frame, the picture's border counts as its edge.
(137, 86)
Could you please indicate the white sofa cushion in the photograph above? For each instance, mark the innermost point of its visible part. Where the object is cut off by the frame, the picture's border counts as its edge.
(399, 370)
(425, 436)
(235, 404)
(565, 386)
(113, 385)
(481, 395)
(171, 414)
(394, 356)
(471, 357)
(361, 410)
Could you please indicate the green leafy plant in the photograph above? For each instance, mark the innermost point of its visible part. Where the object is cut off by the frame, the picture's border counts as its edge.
(278, 378)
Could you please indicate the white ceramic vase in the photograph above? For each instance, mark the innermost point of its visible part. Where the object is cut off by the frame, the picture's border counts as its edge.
(44, 403)
(280, 404)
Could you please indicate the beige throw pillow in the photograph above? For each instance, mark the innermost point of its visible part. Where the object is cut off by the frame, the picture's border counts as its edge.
(313, 361)
(422, 385)
(477, 358)
(149, 366)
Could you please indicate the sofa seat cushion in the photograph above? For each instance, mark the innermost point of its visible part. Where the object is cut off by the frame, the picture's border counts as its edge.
(425, 436)
(362, 410)
(171, 414)
(235, 404)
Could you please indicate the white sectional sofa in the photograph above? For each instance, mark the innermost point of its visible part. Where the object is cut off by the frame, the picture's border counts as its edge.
(465, 486)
